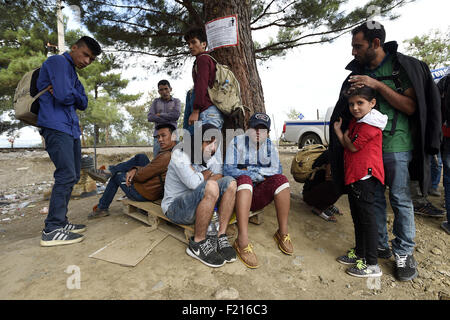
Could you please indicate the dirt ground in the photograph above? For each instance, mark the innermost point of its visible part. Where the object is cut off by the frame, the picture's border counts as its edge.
(28, 271)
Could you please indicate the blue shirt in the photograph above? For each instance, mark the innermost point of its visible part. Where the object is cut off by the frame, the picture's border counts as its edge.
(242, 158)
(58, 111)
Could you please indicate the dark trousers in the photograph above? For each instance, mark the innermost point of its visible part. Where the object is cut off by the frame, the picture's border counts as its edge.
(118, 178)
(322, 195)
(361, 198)
(65, 153)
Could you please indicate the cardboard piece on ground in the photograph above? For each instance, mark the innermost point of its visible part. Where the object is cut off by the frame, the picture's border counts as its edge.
(131, 248)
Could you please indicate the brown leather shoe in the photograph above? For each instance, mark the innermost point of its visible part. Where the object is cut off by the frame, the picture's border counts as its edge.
(246, 255)
(284, 242)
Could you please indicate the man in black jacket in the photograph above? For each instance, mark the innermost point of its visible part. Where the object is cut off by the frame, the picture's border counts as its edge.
(444, 88)
(408, 95)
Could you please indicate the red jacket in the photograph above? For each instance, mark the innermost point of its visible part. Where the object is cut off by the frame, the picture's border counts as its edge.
(203, 74)
(369, 157)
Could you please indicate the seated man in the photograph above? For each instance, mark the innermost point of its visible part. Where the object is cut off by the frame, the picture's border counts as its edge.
(253, 161)
(191, 192)
(140, 179)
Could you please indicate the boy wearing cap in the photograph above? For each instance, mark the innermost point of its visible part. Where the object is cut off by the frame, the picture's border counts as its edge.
(253, 161)
(194, 187)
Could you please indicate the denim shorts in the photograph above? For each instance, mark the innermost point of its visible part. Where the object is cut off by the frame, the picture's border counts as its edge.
(182, 209)
(213, 116)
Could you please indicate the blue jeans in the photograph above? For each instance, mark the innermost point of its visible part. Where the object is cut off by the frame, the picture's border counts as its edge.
(118, 178)
(446, 166)
(397, 179)
(182, 209)
(213, 116)
(65, 153)
(436, 169)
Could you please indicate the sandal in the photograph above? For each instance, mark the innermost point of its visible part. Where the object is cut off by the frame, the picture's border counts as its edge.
(324, 215)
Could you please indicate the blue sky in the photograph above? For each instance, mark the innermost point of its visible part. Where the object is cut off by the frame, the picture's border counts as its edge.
(307, 78)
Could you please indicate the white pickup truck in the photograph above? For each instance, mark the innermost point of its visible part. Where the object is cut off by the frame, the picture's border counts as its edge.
(305, 132)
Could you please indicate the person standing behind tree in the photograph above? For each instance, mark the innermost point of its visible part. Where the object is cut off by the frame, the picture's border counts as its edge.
(203, 74)
(165, 109)
(58, 122)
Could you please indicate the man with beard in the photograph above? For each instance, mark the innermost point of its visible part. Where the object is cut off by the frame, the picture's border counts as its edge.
(407, 94)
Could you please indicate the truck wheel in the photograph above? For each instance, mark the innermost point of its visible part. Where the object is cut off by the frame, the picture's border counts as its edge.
(307, 139)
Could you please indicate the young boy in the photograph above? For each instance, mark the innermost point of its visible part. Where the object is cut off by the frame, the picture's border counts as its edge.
(363, 166)
(253, 161)
(203, 74)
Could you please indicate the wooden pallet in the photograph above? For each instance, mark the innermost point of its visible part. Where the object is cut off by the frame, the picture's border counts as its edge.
(150, 213)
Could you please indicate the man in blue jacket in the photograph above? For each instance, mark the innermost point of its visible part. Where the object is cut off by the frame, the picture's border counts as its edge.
(58, 122)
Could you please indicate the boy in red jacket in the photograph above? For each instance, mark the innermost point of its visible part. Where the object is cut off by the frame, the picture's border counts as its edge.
(363, 165)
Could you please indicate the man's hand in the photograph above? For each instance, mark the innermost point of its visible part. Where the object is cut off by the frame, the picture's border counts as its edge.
(193, 117)
(363, 81)
(50, 89)
(130, 176)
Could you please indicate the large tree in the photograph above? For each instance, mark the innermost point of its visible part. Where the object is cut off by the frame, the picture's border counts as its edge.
(156, 28)
(433, 48)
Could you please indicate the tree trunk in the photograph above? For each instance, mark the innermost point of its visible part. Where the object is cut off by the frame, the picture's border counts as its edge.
(240, 59)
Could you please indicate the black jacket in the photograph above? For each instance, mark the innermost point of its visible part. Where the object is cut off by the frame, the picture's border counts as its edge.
(426, 120)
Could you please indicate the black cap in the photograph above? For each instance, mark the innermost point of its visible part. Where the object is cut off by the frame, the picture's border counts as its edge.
(259, 118)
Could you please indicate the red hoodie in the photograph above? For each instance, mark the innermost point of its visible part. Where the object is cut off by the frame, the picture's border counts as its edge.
(368, 159)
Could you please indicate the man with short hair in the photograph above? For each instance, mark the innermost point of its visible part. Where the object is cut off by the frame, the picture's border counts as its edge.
(165, 109)
(203, 74)
(253, 161)
(194, 186)
(140, 178)
(406, 93)
(59, 125)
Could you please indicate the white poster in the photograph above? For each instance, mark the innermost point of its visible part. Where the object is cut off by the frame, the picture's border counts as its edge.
(222, 32)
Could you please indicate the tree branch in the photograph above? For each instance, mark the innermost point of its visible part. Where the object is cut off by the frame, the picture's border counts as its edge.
(270, 13)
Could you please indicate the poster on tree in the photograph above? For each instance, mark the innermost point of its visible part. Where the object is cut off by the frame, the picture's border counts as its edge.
(222, 32)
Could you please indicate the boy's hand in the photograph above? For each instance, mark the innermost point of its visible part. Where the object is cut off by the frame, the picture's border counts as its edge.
(337, 126)
(50, 89)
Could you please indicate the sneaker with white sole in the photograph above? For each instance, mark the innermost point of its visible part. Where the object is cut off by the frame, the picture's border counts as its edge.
(74, 228)
(349, 258)
(59, 237)
(362, 270)
(406, 267)
(225, 249)
(205, 252)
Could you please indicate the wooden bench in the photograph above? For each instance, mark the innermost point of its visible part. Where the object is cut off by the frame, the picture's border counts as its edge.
(150, 213)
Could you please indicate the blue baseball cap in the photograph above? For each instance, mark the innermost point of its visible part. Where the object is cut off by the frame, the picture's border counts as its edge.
(259, 118)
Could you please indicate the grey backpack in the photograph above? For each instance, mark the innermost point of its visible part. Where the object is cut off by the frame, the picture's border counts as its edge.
(26, 103)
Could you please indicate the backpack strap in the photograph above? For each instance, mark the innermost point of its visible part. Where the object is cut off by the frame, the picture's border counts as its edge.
(395, 77)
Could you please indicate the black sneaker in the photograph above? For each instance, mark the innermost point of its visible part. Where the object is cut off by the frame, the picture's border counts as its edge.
(74, 228)
(429, 210)
(59, 237)
(204, 251)
(98, 175)
(225, 249)
(384, 253)
(406, 267)
(349, 258)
